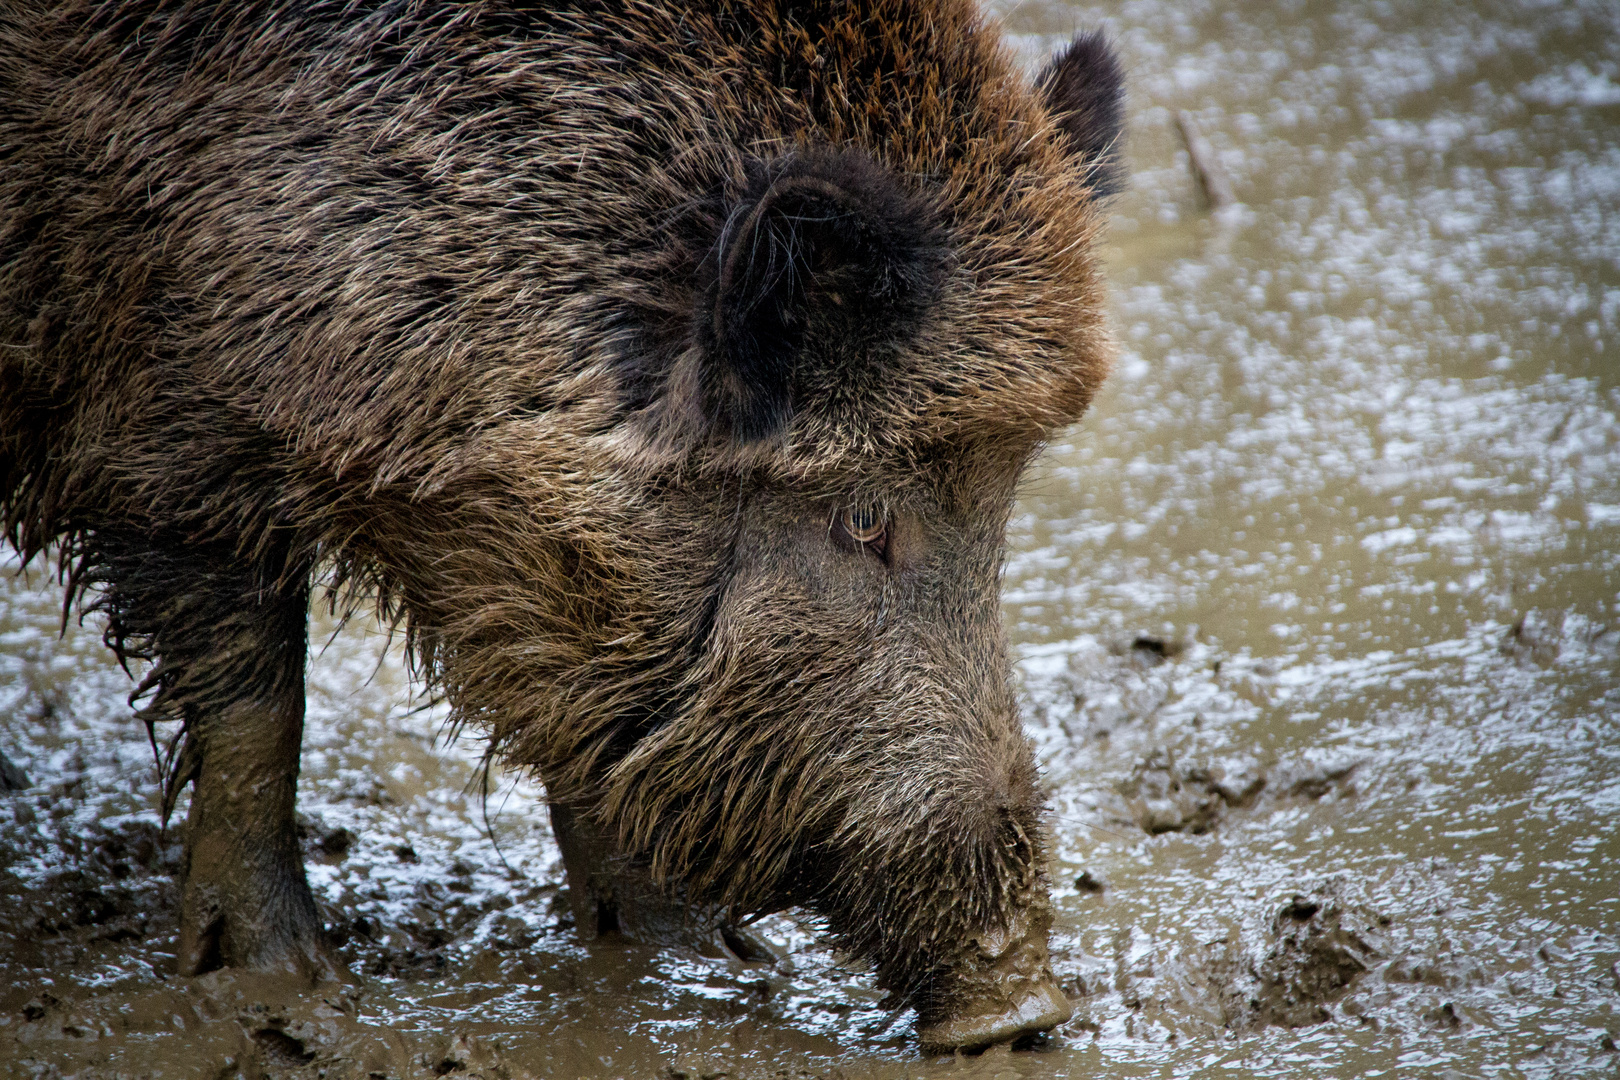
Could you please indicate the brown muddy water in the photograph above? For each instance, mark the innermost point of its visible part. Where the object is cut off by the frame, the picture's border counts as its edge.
(1318, 616)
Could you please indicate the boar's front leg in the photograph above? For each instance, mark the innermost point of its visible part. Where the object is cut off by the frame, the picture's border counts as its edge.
(229, 644)
(612, 894)
(245, 900)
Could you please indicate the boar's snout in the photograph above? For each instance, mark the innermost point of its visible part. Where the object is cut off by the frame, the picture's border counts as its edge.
(1010, 991)
(1034, 1007)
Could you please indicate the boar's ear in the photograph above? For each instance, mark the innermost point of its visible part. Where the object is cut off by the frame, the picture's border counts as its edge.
(824, 265)
(1085, 88)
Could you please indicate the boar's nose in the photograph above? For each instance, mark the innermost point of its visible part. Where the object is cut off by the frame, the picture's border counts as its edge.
(1011, 993)
(1035, 1006)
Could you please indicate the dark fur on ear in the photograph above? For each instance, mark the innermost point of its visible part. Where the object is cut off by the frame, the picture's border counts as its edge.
(1085, 86)
(825, 263)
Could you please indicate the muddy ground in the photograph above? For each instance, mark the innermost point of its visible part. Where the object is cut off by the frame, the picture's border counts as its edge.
(1318, 625)
(464, 961)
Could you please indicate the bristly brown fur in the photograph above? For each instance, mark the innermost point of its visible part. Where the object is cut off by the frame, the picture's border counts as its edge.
(557, 329)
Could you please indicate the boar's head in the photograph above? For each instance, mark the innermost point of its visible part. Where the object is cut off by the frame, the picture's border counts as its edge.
(777, 670)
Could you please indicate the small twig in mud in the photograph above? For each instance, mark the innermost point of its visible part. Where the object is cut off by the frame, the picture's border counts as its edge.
(1212, 179)
(1065, 819)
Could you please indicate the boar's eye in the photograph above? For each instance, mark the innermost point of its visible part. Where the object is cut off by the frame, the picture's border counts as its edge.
(863, 527)
(863, 523)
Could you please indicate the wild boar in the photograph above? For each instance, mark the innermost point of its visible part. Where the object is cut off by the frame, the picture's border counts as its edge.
(666, 370)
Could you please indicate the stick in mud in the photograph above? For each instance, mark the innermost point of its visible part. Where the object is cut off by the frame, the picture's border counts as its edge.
(1212, 179)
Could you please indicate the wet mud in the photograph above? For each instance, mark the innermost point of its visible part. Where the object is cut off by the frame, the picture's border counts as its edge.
(1317, 618)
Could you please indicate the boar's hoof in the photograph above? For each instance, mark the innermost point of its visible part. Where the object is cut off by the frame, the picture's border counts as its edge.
(1009, 992)
(261, 923)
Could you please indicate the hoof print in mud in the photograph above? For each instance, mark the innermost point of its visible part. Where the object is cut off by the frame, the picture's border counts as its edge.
(1321, 943)
(280, 1050)
(1161, 796)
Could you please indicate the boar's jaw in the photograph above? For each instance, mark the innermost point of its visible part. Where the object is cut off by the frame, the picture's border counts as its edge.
(1006, 990)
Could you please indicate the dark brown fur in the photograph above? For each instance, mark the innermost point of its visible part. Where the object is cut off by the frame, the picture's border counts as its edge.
(564, 331)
